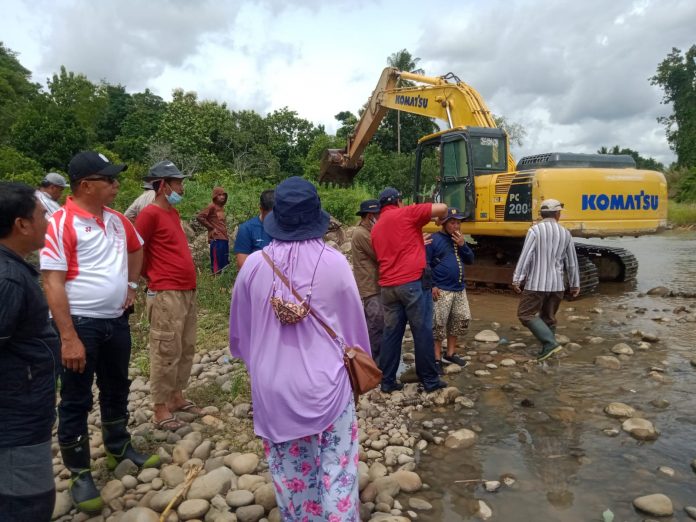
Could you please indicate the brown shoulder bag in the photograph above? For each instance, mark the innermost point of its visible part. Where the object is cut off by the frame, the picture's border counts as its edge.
(362, 371)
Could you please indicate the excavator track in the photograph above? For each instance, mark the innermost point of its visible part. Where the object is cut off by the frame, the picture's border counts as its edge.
(613, 264)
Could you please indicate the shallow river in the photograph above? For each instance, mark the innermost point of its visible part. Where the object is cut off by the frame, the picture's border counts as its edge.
(566, 468)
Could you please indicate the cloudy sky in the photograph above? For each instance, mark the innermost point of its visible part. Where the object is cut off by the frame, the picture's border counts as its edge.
(574, 74)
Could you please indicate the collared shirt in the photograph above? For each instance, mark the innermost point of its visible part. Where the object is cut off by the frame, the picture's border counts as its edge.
(447, 260)
(48, 202)
(167, 262)
(397, 238)
(139, 204)
(29, 355)
(251, 237)
(299, 383)
(548, 247)
(94, 253)
(365, 266)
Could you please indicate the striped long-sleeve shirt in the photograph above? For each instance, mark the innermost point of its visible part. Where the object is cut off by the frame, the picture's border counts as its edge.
(548, 247)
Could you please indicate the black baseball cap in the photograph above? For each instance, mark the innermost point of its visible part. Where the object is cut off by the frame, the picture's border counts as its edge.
(389, 196)
(370, 206)
(164, 170)
(90, 163)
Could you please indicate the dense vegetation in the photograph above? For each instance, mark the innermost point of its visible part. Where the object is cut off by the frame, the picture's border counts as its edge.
(42, 127)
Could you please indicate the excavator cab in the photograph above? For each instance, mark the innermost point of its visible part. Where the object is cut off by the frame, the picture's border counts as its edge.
(445, 171)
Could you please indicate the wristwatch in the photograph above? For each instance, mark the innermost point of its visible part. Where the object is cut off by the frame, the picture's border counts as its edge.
(132, 285)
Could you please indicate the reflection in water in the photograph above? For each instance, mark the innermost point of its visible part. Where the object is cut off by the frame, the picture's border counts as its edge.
(567, 468)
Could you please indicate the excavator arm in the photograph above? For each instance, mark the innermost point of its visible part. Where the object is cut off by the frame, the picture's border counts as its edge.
(446, 98)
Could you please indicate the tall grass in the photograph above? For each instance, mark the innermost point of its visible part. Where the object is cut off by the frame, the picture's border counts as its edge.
(681, 214)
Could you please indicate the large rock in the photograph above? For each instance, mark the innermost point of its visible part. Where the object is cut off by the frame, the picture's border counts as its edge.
(63, 504)
(239, 498)
(125, 467)
(217, 482)
(114, 489)
(250, 482)
(392, 454)
(641, 429)
(419, 504)
(619, 409)
(461, 439)
(607, 361)
(659, 291)
(487, 336)
(160, 501)
(265, 496)
(244, 464)
(408, 481)
(139, 514)
(190, 509)
(622, 349)
(658, 505)
(387, 485)
(172, 475)
(252, 513)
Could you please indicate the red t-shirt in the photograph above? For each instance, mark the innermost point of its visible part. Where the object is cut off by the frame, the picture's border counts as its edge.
(397, 238)
(168, 264)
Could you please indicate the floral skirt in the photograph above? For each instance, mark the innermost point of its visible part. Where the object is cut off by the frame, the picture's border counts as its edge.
(316, 477)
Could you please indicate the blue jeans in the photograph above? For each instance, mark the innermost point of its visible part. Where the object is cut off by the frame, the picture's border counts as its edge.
(219, 254)
(108, 347)
(27, 491)
(413, 303)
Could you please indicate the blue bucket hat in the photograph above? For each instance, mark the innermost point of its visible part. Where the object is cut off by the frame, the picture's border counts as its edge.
(452, 213)
(389, 196)
(297, 214)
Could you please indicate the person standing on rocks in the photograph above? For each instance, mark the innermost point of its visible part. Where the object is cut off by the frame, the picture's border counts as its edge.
(49, 192)
(251, 236)
(447, 254)
(29, 363)
(303, 401)
(91, 264)
(366, 272)
(406, 287)
(143, 200)
(171, 296)
(548, 248)
(213, 219)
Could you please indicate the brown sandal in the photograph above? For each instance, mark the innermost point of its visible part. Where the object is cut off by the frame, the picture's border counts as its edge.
(169, 424)
(189, 407)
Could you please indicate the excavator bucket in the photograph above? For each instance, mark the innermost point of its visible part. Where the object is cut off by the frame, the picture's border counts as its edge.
(334, 168)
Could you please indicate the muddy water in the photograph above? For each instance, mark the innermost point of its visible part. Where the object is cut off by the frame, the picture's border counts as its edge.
(566, 468)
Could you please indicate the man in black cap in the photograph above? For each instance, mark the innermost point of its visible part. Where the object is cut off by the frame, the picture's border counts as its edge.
(29, 363)
(91, 264)
(406, 287)
(171, 296)
(366, 271)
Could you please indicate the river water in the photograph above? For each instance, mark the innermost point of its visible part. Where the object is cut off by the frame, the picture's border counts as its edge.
(566, 467)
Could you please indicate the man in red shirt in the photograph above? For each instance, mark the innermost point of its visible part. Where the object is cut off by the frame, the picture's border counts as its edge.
(171, 296)
(213, 219)
(397, 238)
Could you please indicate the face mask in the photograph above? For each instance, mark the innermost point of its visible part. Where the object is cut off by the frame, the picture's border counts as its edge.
(174, 198)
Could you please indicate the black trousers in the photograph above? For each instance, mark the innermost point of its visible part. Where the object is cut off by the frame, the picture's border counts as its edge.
(108, 348)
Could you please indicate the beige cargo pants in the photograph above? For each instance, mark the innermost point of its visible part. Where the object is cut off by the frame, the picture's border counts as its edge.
(172, 316)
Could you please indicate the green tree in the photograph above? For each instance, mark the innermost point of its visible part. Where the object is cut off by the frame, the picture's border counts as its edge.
(48, 133)
(641, 162)
(676, 75)
(74, 92)
(348, 122)
(289, 139)
(15, 166)
(118, 106)
(515, 131)
(139, 126)
(16, 89)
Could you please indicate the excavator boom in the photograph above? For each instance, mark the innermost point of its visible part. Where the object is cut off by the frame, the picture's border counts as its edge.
(445, 98)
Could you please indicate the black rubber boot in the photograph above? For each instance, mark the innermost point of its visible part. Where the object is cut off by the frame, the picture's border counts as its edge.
(83, 491)
(545, 335)
(117, 443)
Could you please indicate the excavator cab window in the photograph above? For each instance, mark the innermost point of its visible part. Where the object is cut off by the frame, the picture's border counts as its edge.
(489, 150)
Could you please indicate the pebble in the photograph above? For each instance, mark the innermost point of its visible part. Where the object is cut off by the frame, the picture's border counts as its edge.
(607, 361)
(252, 513)
(112, 490)
(125, 467)
(172, 475)
(129, 482)
(148, 475)
(239, 498)
(217, 482)
(139, 514)
(657, 504)
(191, 509)
(419, 504)
(62, 506)
(487, 336)
(622, 349)
(461, 439)
(691, 511)
(492, 485)
(244, 464)
(666, 470)
(484, 511)
(508, 362)
(619, 409)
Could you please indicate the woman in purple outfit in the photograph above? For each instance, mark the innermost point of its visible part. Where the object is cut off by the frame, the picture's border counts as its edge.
(303, 408)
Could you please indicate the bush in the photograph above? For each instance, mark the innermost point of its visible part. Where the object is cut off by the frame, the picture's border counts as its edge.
(343, 203)
(686, 186)
(15, 166)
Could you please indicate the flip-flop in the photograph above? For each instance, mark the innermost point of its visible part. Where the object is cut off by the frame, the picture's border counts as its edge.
(189, 407)
(169, 424)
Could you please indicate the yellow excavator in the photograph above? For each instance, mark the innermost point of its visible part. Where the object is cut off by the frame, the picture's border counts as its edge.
(469, 166)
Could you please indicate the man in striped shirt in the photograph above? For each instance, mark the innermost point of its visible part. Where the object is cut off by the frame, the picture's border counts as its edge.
(548, 248)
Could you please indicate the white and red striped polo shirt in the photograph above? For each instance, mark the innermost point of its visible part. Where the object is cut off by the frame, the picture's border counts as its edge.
(94, 253)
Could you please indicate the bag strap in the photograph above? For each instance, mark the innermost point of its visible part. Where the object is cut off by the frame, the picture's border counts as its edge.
(285, 281)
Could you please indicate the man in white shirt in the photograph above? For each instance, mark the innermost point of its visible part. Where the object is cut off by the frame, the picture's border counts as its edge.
(91, 264)
(548, 248)
(49, 192)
